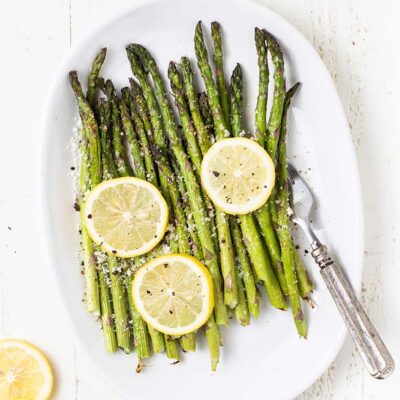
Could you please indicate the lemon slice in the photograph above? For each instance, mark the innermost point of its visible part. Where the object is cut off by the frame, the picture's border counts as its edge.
(174, 294)
(126, 217)
(25, 373)
(238, 175)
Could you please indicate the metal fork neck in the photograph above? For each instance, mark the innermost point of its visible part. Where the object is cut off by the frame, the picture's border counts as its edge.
(319, 251)
(309, 233)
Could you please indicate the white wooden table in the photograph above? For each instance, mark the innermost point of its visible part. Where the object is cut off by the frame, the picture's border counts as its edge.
(359, 42)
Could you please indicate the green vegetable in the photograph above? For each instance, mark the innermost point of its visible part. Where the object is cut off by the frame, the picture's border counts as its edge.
(225, 243)
(136, 53)
(254, 244)
(283, 228)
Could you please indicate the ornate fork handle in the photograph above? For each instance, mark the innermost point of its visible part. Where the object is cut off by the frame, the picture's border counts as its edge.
(373, 351)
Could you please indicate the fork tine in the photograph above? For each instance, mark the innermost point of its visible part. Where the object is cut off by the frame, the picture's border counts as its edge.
(293, 174)
(290, 187)
(302, 195)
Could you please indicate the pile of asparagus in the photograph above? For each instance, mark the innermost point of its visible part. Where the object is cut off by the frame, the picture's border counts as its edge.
(137, 134)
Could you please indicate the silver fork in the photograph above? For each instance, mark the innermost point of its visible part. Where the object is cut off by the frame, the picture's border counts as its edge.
(371, 347)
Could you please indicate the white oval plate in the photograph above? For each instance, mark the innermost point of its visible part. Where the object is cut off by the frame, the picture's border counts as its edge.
(266, 358)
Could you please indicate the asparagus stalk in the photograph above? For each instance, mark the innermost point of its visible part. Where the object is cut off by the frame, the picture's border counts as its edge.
(263, 79)
(89, 176)
(114, 266)
(219, 70)
(188, 342)
(147, 171)
(106, 309)
(94, 74)
(88, 247)
(90, 129)
(304, 282)
(195, 244)
(242, 309)
(120, 156)
(213, 336)
(206, 114)
(220, 114)
(284, 223)
(220, 125)
(140, 147)
(191, 244)
(275, 118)
(263, 215)
(245, 270)
(115, 164)
(104, 116)
(119, 302)
(225, 243)
(120, 159)
(154, 130)
(274, 122)
(255, 247)
(191, 95)
(133, 145)
(194, 192)
(268, 231)
(193, 147)
(142, 109)
(211, 329)
(157, 340)
(249, 230)
(171, 348)
(203, 134)
(164, 169)
(140, 332)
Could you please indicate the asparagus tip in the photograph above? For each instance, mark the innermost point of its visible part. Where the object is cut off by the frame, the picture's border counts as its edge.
(185, 61)
(172, 66)
(75, 84)
(100, 57)
(73, 77)
(133, 83)
(258, 34)
(199, 26)
(100, 83)
(290, 93)
(237, 71)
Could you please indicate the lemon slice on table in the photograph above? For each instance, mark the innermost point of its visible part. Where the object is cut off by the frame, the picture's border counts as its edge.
(126, 217)
(238, 175)
(174, 294)
(25, 372)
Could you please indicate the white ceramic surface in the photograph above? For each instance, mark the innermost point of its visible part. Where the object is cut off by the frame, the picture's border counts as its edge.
(266, 358)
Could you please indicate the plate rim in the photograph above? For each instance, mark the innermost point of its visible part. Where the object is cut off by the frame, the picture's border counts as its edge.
(50, 254)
